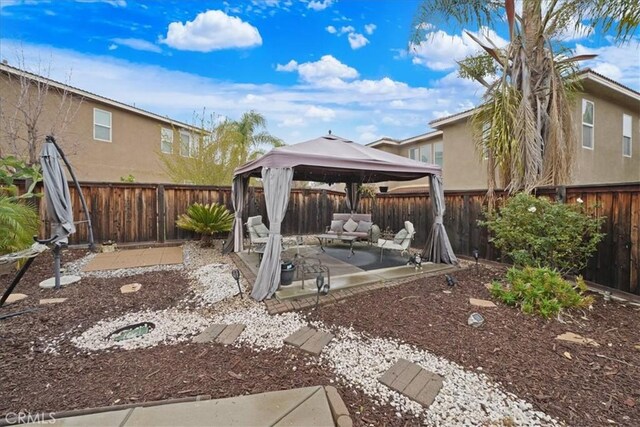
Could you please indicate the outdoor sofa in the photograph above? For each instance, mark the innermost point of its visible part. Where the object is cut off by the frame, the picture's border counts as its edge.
(359, 225)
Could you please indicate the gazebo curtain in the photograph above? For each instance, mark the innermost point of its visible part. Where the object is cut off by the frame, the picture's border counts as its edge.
(438, 248)
(277, 186)
(235, 242)
(353, 196)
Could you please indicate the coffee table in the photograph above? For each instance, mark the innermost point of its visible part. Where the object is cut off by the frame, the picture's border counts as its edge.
(345, 238)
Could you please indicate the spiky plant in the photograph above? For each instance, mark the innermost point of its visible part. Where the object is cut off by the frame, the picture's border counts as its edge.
(18, 224)
(524, 127)
(206, 220)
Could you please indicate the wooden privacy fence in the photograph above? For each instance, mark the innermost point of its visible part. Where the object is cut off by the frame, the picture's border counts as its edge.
(146, 213)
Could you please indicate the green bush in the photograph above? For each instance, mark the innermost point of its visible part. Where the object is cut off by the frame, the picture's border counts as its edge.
(540, 290)
(538, 232)
(206, 220)
(18, 224)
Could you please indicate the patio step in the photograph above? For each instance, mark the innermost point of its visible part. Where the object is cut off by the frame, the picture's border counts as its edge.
(413, 381)
(222, 334)
(309, 340)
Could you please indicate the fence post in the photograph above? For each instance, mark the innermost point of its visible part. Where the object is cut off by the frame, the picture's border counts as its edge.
(162, 215)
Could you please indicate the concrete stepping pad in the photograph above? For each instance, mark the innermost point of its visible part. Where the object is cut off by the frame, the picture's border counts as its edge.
(52, 300)
(220, 333)
(309, 340)
(481, 303)
(413, 381)
(15, 298)
(50, 283)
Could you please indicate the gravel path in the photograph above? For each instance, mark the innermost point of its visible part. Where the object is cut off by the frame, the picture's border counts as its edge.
(358, 360)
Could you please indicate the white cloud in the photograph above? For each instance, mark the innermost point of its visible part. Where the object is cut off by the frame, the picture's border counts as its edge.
(331, 29)
(319, 5)
(289, 122)
(138, 44)
(334, 93)
(212, 30)
(322, 113)
(112, 46)
(289, 66)
(347, 29)
(327, 70)
(619, 63)
(370, 28)
(356, 41)
(440, 50)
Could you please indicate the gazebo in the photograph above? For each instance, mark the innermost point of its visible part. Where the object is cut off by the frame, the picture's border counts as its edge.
(328, 159)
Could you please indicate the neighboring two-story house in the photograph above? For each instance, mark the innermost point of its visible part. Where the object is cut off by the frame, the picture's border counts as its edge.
(104, 140)
(607, 119)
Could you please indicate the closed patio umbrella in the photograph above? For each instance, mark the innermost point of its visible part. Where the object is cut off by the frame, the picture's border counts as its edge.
(58, 198)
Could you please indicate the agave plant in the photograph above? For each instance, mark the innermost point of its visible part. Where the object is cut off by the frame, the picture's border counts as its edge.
(18, 224)
(206, 220)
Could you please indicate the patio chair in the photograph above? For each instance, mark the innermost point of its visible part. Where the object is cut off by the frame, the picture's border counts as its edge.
(259, 234)
(400, 242)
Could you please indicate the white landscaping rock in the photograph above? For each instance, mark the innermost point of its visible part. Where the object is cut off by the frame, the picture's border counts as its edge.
(212, 283)
(171, 327)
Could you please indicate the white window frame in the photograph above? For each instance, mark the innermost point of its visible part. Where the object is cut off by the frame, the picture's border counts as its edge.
(591, 125)
(166, 135)
(435, 150)
(110, 127)
(428, 148)
(630, 135)
(414, 153)
(188, 134)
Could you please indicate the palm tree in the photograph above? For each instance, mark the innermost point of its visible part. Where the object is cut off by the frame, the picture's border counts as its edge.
(249, 136)
(524, 124)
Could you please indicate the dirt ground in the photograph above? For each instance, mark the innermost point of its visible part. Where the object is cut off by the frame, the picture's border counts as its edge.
(597, 386)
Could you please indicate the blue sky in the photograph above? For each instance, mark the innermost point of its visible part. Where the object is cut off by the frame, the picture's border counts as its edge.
(307, 65)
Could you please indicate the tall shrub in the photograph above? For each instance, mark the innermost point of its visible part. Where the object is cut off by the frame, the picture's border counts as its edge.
(541, 233)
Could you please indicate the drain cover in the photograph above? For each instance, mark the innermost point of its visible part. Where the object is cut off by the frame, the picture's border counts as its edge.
(132, 331)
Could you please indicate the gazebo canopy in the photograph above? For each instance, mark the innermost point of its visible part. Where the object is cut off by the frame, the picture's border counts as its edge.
(327, 159)
(334, 159)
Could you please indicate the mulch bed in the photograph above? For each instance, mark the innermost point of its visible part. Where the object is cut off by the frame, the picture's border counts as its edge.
(598, 386)
(31, 380)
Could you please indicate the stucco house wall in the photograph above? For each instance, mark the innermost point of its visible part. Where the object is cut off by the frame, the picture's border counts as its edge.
(135, 144)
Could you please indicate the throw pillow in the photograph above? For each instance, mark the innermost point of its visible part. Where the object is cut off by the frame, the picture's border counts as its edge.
(337, 225)
(261, 230)
(400, 236)
(364, 226)
(350, 226)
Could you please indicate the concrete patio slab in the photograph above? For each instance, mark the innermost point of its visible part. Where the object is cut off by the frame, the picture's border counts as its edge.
(265, 409)
(134, 258)
(103, 419)
(315, 411)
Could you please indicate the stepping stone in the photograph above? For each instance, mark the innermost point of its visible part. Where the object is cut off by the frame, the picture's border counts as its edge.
(210, 334)
(222, 334)
(309, 340)
(481, 303)
(413, 381)
(130, 288)
(230, 333)
(52, 301)
(15, 298)
(64, 281)
(578, 339)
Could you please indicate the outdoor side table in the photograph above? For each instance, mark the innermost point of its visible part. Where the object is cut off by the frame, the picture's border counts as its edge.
(345, 238)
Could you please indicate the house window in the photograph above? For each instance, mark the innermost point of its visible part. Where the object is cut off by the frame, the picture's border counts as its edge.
(587, 124)
(101, 125)
(438, 153)
(185, 143)
(626, 135)
(166, 140)
(425, 154)
(414, 153)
